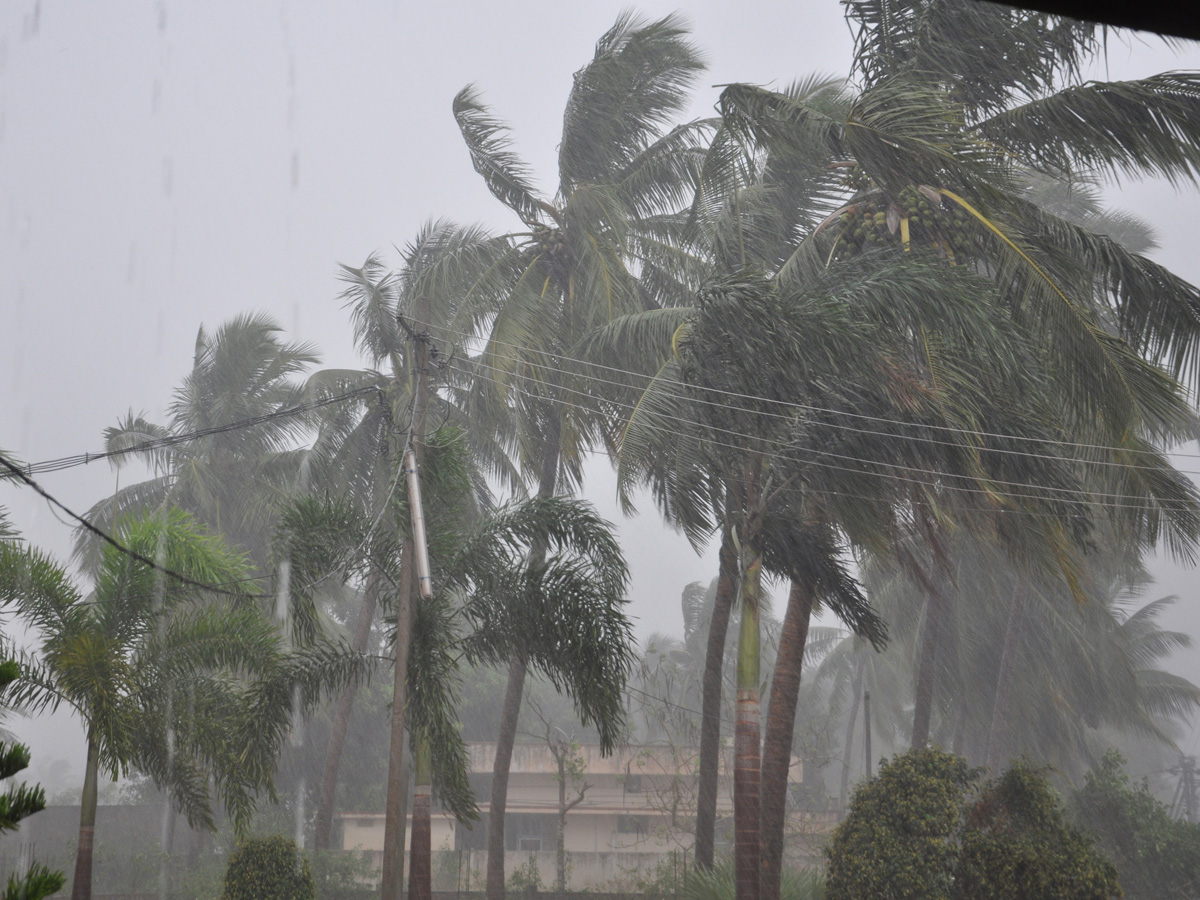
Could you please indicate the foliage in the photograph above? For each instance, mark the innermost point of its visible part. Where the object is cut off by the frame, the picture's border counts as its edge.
(18, 802)
(1156, 856)
(1018, 843)
(270, 868)
(898, 839)
(526, 877)
(717, 883)
(340, 875)
(924, 829)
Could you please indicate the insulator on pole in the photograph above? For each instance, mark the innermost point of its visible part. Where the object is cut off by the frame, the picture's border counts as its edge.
(424, 578)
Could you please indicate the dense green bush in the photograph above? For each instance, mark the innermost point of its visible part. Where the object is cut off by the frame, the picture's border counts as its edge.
(1018, 843)
(925, 829)
(270, 868)
(1155, 855)
(899, 838)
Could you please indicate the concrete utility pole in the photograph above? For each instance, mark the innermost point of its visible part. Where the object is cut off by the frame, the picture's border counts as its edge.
(867, 732)
(1185, 791)
(394, 820)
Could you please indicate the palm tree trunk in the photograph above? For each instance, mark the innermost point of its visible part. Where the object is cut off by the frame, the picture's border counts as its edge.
(844, 793)
(746, 747)
(1002, 704)
(392, 879)
(512, 700)
(926, 672)
(420, 866)
(710, 719)
(504, 748)
(323, 826)
(777, 743)
(560, 833)
(81, 887)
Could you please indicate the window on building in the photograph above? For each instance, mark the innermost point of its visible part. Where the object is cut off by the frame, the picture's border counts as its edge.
(531, 845)
(633, 824)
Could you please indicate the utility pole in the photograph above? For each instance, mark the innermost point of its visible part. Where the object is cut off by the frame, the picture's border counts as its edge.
(867, 732)
(1185, 791)
(394, 820)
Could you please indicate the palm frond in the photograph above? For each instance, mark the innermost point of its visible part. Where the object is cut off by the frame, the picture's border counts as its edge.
(488, 143)
(1144, 128)
(636, 82)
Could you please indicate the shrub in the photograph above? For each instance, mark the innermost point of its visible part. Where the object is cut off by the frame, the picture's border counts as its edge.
(18, 802)
(899, 838)
(925, 830)
(718, 884)
(270, 868)
(1155, 855)
(1017, 843)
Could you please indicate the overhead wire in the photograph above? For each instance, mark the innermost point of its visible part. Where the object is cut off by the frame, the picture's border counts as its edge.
(109, 539)
(817, 458)
(851, 414)
(83, 459)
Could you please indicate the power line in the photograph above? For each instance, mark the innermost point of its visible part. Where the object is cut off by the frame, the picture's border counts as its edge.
(83, 459)
(950, 429)
(109, 539)
(817, 458)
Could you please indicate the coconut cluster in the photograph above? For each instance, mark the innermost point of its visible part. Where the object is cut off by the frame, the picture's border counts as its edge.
(550, 243)
(878, 222)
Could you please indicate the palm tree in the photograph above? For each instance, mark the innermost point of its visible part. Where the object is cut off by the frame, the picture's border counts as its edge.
(117, 657)
(600, 248)
(558, 611)
(231, 480)
(925, 154)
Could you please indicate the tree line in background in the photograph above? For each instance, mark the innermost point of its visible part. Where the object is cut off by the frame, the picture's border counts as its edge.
(884, 320)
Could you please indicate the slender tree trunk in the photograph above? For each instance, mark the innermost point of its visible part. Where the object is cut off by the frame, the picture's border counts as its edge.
(747, 766)
(323, 826)
(512, 702)
(504, 748)
(710, 720)
(81, 887)
(959, 745)
(420, 865)
(392, 880)
(1002, 704)
(844, 794)
(397, 790)
(927, 668)
(867, 761)
(560, 836)
(777, 743)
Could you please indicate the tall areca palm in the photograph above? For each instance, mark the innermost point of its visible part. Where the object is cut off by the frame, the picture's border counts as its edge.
(558, 610)
(118, 656)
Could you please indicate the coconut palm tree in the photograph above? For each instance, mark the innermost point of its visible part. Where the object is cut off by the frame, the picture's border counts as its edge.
(924, 153)
(231, 480)
(601, 247)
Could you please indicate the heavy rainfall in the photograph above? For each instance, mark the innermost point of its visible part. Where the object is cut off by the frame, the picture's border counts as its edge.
(721, 452)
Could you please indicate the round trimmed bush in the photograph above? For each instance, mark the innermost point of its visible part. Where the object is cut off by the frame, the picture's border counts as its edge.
(270, 868)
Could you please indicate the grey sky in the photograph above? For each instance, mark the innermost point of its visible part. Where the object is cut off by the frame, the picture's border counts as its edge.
(167, 164)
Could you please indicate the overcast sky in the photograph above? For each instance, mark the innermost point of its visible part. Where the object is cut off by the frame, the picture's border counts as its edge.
(166, 165)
